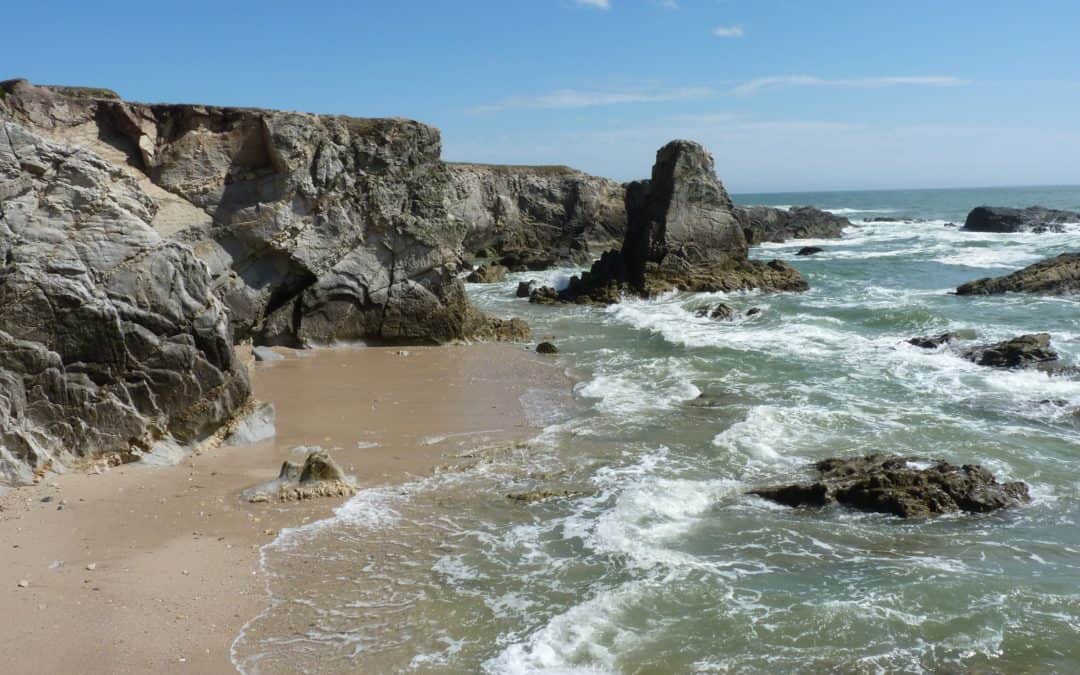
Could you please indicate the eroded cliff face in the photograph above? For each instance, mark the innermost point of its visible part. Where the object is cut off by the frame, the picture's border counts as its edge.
(315, 228)
(139, 242)
(111, 337)
(553, 210)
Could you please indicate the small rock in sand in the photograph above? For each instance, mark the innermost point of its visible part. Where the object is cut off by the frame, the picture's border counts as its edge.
(546, 348)
(23, 583)
(91, 567)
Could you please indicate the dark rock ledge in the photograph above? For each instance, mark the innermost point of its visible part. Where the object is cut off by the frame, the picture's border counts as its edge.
(908, 487)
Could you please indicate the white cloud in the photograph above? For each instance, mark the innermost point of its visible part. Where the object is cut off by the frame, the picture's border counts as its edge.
(728, 31)
(595, 4)
(576, 98)
(754, 86)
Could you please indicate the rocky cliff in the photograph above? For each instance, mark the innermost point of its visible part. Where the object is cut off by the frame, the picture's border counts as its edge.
(554, 210)
(314, 227)
(111, 338)
(138, 242)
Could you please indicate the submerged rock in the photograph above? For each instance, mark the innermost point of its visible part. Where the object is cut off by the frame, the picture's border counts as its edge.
(318, 476)
(1055, 276)
(1019, 352)
(810, 250)
(487, 274)
(908, 487)
(265, 354)
(533, 496)
(935, 341)
(721, 312)
(1031, 219)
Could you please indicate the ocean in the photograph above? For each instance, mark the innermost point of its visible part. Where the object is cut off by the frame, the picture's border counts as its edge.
(657, 561)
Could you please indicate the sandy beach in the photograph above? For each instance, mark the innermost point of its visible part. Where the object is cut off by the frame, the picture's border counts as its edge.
(155, 569)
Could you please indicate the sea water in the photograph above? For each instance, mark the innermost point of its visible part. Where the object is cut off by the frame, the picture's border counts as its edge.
(658, 561)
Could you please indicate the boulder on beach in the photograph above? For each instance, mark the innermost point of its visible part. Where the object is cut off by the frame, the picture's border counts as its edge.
(317, 476)
(908, 487)
(547, 348)
(1003, 219)
(1055, 276)
(1019, 352)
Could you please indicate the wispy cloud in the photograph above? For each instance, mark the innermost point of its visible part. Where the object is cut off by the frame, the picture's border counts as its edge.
(595, 4)
(754, 86)
(728, 31)
(576, 98)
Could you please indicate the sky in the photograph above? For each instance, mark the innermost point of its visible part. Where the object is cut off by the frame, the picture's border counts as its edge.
(787, 94)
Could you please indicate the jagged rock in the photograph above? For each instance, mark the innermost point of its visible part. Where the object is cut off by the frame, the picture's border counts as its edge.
(1055, 276)
(487, 274)
(318, 476)
(525, 288)
(767, 224)
(935, 341)
(721, 312)
(111, 338)
(546, 348)
(541, 212)
(266, 354)
(908, 487)
(315, 227)
(1019, 352)
(1031, 219)
(810, 250)
(681, 234)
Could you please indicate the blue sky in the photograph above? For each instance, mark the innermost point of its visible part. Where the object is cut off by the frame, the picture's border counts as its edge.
(787, 94)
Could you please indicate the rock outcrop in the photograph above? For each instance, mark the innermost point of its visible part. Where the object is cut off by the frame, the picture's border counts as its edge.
(315, 228)
(1056, 276)
(681, 234)
(908, 487)
(550, 212)
(935, 341)
(112, 340)
(1019, 352)
(767, 224)
(487, 274)
(1031, 219)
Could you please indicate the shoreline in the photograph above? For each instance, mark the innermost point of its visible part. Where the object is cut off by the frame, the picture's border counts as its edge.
(161, 570)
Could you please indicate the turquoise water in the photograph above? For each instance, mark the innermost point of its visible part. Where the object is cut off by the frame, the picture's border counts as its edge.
(659, 563)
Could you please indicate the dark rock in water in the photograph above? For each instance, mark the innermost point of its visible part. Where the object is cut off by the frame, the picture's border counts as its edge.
(721, 312)
(767, 224)
(318, 476)
(545, 295)
(1055, 276)
(1019, 352)
(753, 311)
(951, 225)
(908, 487)
(487, 274)
(525, 288)
(546, 348)
(1031, 219)
(681, 234)
(810, 250)
(935, 341)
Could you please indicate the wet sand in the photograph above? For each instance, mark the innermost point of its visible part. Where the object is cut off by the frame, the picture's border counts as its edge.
(156, 569)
